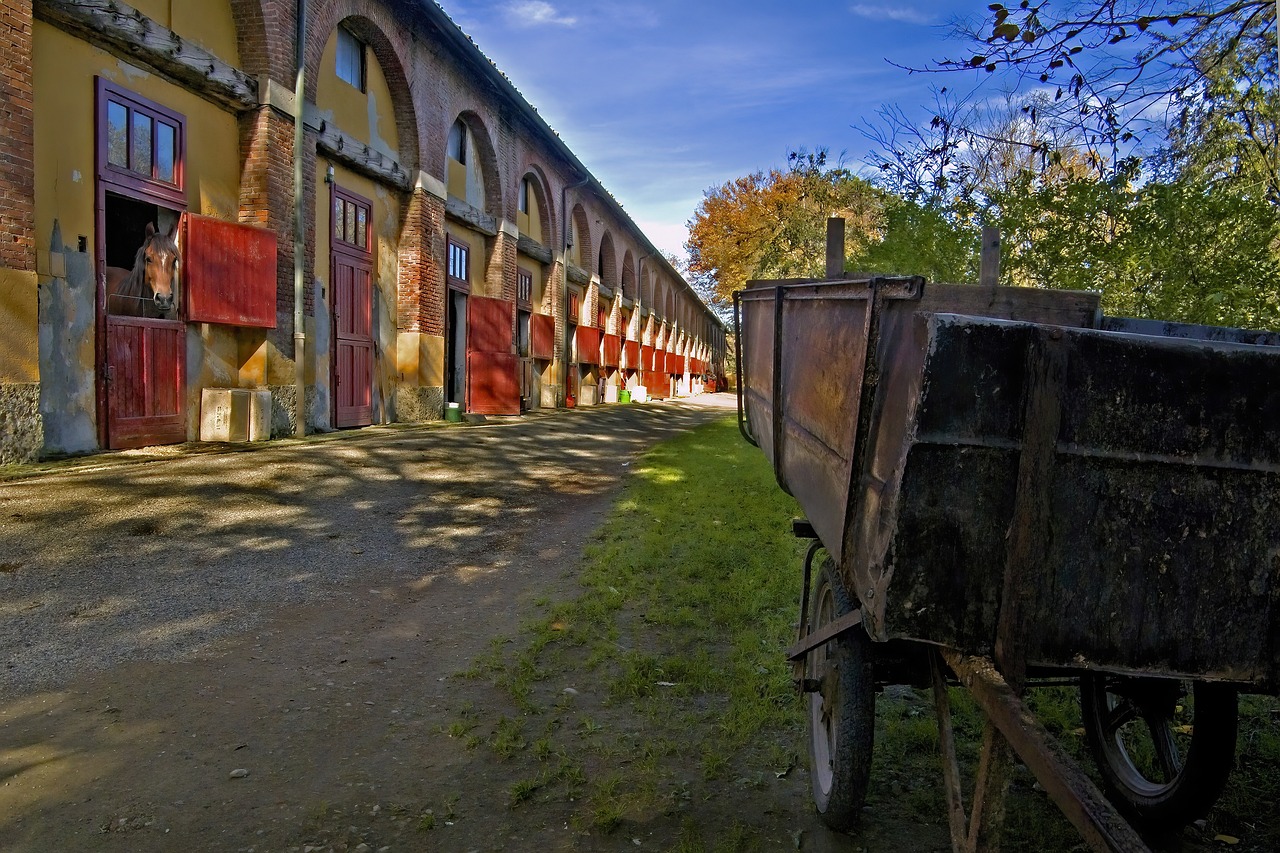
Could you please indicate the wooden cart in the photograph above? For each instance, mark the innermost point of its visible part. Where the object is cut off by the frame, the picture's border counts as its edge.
(1009, 485)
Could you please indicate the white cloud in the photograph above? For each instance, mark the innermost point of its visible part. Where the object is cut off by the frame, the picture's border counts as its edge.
(536, 13)
(900, 14)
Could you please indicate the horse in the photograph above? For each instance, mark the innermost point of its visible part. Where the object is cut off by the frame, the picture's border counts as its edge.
(150, 288)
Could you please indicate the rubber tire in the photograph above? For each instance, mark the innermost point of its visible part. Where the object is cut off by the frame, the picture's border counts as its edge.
(1163, 805)
(840, 743)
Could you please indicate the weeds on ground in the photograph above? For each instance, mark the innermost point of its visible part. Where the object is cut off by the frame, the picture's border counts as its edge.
(689, 593)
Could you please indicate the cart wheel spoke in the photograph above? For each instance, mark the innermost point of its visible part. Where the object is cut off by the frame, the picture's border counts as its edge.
(1164, 753)
(1123, 713)
(1167, 754)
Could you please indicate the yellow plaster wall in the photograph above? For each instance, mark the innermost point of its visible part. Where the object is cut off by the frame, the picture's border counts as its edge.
(19, 322)
(420, 359)
(457, 184)
(64, 133)
(208, 23)
(368, 116)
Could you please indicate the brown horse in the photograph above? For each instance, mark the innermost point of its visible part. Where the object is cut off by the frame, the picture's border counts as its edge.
(150, 288)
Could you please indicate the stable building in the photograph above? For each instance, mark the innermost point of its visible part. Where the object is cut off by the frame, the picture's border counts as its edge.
(179, 229)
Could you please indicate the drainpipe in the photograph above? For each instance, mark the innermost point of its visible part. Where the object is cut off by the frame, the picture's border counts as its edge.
(299, 232)
(564, 274)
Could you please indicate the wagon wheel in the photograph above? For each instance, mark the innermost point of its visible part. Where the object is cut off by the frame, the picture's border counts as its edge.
(1164, 753)
(842, 709)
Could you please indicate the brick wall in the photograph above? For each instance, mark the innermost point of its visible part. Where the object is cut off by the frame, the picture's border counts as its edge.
(17, 126)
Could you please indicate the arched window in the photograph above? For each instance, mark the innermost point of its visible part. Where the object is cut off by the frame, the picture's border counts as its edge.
(457, 148)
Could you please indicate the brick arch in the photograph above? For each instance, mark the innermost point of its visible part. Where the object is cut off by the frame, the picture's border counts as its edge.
(385, 37)
(488, 159)
(607, 266)
(583, 223)
(546, 210)
(258, 54)
(628, 275)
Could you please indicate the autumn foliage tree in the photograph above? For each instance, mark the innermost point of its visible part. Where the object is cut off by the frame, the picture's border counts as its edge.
(772, 224)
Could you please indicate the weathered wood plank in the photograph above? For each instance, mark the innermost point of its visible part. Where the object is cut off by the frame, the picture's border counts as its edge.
(123, 31)
(534, 249)
(474, 217)
(576, 274)
(353, 153)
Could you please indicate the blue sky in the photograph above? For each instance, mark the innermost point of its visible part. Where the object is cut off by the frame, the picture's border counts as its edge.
(663, 99)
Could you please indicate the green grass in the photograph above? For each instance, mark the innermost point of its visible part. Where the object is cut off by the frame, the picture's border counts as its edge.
(689, 592)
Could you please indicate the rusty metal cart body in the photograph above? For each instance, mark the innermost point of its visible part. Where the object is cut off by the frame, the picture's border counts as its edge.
(1010, 478)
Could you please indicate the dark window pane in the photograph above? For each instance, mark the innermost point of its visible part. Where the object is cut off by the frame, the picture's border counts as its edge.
(140, 145)
(117, 135)
(362, 228)
(339, 218)
(351, 223)
(166, 150)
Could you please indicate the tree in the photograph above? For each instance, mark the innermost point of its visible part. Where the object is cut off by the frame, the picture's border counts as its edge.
(1114, 65)
(1226, 133)
(773, 224)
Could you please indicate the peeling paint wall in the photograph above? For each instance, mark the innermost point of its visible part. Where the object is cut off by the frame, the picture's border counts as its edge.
(66, 350)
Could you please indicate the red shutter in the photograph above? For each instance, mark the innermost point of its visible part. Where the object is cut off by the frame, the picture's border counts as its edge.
(612, 350)
(588, 340)
(675, 363)
(229, 273)
(493, 370)
(489, 324)
(632, 353)
(493, 383)
(646, 358)
(542, 336)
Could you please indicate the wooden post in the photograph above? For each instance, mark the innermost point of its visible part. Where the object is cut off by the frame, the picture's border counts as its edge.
(989, 271)
(835, 247)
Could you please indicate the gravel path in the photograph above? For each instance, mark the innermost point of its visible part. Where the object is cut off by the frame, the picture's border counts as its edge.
(113, 560)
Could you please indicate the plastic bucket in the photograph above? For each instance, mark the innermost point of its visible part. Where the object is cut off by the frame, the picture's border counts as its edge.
(453, 413)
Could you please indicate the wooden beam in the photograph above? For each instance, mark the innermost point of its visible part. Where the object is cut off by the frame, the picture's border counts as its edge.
(474, 217)
(576, 274)
(127, 33)
(353, 153)
(989, 259)
(532, 248)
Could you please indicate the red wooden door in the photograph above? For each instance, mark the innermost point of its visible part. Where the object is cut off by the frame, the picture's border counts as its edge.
(493, 370)
(353, 340)
(146, 381)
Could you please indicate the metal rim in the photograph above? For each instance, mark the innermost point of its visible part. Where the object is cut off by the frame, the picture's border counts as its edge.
(1139, 724)
(823, 719)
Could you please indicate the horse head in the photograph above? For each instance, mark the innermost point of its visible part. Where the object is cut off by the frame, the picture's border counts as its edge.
(159, 258)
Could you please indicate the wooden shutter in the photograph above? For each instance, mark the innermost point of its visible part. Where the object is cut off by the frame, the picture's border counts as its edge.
(588, 341)
(493, 370)
(542, 336)
(611, 350)
(229, 273)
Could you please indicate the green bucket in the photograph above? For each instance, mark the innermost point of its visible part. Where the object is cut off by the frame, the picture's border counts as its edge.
(453, 413)
(624, 396)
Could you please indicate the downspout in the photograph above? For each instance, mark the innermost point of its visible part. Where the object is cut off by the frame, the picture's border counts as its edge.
(564, 276)
(299, 232)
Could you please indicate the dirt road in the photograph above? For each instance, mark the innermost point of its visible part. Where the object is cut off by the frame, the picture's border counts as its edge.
(254, 650)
